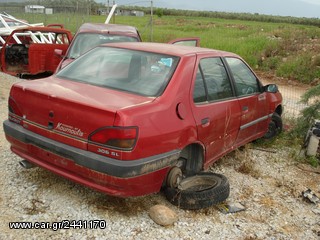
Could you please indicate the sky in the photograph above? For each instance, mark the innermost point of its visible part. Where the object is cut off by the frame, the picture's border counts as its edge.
(295, 8)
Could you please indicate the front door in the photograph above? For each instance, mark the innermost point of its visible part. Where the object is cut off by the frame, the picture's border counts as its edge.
(252, 101)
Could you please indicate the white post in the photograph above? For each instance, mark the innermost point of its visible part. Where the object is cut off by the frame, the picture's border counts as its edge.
(111, 13)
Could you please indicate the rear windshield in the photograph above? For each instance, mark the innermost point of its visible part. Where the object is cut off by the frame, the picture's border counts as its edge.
(86, 41)
(143, 73)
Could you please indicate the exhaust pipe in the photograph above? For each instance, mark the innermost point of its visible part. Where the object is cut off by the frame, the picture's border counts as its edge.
(26, 164)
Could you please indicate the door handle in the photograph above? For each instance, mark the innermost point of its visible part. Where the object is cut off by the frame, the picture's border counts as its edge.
(245, 108)
(205, 122)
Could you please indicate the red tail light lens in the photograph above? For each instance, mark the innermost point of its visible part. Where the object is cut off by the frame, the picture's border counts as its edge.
(115, 137)
(15, 114)
(13, 107)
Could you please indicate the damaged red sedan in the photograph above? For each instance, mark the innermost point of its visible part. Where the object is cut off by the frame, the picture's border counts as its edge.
(121, 116)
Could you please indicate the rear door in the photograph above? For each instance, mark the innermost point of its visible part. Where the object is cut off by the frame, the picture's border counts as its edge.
(252, 100)
(216, 110)
(191, 41)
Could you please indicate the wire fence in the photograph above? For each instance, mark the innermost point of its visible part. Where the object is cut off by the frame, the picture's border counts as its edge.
(292, 100)
(291, 96)
(72, 17)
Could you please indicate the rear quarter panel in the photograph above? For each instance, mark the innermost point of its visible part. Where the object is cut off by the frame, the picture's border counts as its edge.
(160, 127)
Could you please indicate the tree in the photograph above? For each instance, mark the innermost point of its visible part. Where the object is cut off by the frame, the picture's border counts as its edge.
(310, 113)
(159, 12)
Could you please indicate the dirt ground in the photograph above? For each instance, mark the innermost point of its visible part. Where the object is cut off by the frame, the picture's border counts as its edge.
(268, 182)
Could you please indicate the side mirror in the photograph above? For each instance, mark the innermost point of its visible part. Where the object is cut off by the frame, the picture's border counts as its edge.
(59, 53)
(272, 88)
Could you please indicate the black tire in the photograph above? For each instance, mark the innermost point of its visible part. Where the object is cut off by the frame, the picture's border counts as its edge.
(199, 191)
(275, 126)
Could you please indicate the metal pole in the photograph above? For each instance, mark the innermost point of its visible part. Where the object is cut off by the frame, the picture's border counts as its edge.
(151, 22)
(114, 15)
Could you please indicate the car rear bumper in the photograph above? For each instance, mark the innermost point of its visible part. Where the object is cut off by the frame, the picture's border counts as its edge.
(111, 176)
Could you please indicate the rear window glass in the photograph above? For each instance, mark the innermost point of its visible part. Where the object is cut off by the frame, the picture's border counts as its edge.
(143, 73)
(86, 41)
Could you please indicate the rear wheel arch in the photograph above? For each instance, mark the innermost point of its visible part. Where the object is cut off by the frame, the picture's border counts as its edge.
(192, 158)
(189, 163)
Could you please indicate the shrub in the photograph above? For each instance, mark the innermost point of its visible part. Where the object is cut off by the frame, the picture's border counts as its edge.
(310, 113)
(159, 12)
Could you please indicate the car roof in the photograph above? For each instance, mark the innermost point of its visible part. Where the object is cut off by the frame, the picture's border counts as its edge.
(169, 49)
(109, 28)
(42, 29)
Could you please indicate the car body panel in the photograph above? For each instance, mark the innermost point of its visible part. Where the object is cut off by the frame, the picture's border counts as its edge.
(147, 179)
(31, 50)
(252, 118)
(217, 125)
(55, 94)
(59, 134)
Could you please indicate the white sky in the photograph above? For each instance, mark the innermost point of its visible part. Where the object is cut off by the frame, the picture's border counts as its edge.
(296, 8)
(312, 1)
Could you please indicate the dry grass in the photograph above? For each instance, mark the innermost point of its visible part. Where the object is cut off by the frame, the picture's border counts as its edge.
(246, 162)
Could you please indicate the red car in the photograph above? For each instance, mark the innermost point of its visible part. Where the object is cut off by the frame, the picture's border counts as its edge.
(90, 35)
(121, 116)
(31, 51)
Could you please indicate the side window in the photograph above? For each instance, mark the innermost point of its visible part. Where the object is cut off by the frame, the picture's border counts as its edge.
(245, 81)
(199, 92)
(186, 43)
(212, 82)
(61, 38)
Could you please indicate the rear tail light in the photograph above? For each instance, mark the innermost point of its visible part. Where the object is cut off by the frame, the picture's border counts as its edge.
(115, 137)
(13, 107)
(15, 114)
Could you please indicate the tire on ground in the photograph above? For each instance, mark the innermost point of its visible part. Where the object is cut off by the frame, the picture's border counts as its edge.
(199, 191)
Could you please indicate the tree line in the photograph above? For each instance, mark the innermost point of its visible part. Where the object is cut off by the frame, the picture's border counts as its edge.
(74, 5)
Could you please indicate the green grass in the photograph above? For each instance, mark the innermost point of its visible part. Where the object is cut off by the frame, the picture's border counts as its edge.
(264, 45)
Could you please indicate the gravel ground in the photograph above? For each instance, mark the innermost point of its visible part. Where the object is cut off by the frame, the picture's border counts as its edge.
(267, 183)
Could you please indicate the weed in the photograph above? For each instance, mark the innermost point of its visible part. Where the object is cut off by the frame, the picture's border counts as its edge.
(301, 68)
(37, 207)
(313, 161)
(246, 162)
(247, 168)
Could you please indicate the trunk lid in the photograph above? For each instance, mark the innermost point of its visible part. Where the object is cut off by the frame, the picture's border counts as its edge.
(70, 109)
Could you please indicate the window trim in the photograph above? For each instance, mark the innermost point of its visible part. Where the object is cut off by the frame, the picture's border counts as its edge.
(231, 81)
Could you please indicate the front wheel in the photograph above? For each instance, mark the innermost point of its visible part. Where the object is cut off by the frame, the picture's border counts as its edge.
(275, 126)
